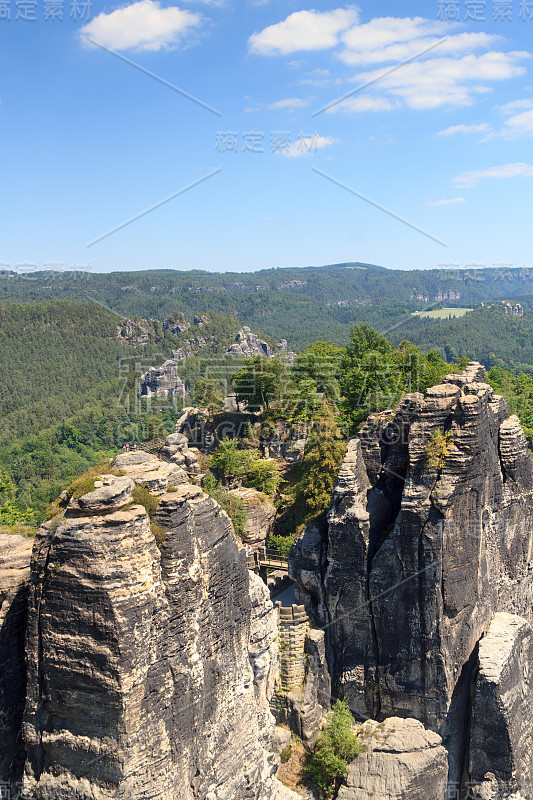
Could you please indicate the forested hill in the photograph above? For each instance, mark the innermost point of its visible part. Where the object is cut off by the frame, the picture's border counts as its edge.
(487, 334)
(301, 305)
(68, 388)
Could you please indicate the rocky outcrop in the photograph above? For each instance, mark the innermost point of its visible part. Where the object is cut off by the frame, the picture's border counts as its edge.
(146, 470)
(399, 760)
(430, 534)
(15, 554)
(164, 381)
(149, 671)
(205, 431)
(176, 450)
(260, 515)
(500, 731)
(303, 675)
(249, 344)
(263, 651)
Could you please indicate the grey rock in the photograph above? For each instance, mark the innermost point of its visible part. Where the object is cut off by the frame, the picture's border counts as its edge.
(163, 381)
(417, 559)
(149, 671)
(263, 652)
(15, 552)
(399, 760)
(260, 512)
(177, 451)
(110, 493)
(280, 740)
(501, 726)
(146, 470)
(249, 344)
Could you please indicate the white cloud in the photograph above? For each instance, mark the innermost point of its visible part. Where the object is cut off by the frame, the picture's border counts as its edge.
(517, 124)
(516, 105)
(482, 127)
(306, 145)
(447, 81)
(459, 68)
(290, 103)
(142, 26)
(519, 169)
(520, 124)
(362, 102)
(303, 30)
(445, 202)
(397, 39)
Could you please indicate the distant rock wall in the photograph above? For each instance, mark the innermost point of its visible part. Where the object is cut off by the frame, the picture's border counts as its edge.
(165, 382)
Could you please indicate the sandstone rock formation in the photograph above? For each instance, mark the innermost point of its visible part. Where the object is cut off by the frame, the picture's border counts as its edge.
(147, 470)
(15, 554)
(204, 431)
(500, 730)
(399, 760)
(149, 668)
(249, 344)
(164, 381)
(149, 672)
(176, 450)
(260, 515)
(430, 534)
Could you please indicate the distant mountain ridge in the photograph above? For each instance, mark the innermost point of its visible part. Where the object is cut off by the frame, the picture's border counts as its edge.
(301, 304)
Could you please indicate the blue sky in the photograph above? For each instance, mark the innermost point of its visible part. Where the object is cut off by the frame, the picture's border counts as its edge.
(435, 127)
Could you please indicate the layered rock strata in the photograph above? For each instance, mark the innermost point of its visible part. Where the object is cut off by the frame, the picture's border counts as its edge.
(149, 672)
(500, 731)
(399, 760)
(430, 534)
(15, 552)
(260, 515)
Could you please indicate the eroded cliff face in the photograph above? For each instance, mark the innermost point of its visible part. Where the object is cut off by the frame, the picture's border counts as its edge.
(14, 579)
(149, 671)
(429, 535)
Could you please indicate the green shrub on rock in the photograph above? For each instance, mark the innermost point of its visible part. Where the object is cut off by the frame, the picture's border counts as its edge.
(336, 746)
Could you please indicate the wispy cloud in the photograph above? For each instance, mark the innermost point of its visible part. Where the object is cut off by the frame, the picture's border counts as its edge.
(446, 202)
(307, 145)
(516, 105)
(362, 102)
(519, 120)
(289, 103)
(482, 127)
(389, 39)
(470, 179)
(142, 26)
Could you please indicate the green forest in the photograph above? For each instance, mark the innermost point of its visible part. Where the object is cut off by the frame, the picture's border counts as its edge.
(69, 377)
(302, 305)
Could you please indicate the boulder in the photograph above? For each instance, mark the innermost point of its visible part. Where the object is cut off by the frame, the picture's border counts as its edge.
(147, 470)
(281, 739)
(399, 760)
